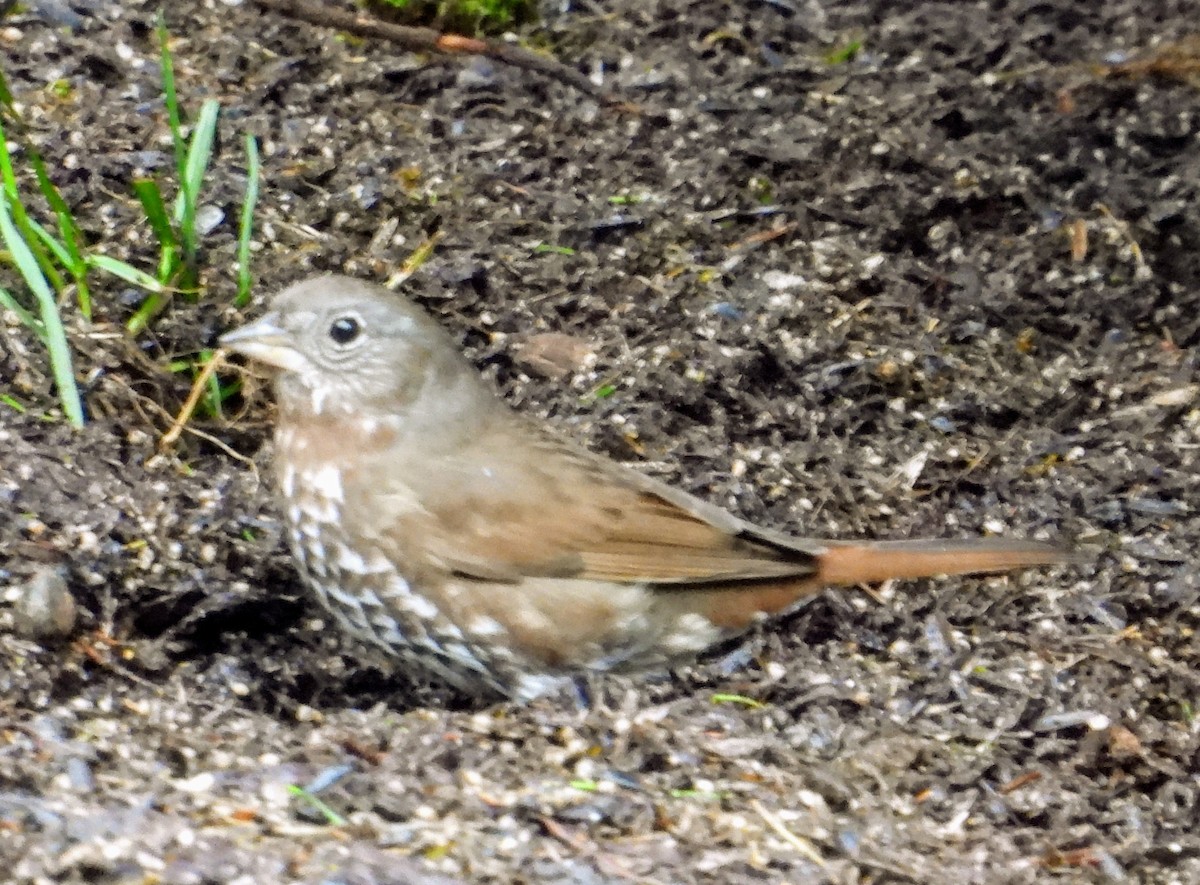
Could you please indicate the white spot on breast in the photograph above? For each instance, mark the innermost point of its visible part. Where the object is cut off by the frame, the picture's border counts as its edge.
(377, 563)
(325, 481)
(485, 626)
(532, 620)
(319, 392)
(400, 498)
(350, 561)
(417, 604)
(287, 482)
(463, 654)
(322, 510)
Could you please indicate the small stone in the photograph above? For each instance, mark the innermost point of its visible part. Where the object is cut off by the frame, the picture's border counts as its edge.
(305, 713)
(208, 218)
(780, 280)
(197, 784)
(44, 607)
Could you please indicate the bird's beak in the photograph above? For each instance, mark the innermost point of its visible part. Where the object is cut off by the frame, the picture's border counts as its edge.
(265, 340)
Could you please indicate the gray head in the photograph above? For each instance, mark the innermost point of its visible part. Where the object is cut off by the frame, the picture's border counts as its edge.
(343, 345)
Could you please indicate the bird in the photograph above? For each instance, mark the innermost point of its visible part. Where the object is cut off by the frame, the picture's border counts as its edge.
(474, 546)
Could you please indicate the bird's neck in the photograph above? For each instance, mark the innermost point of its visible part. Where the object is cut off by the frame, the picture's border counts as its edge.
(443, 409)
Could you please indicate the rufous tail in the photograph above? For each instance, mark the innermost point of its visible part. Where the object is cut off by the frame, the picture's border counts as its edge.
(735, 607)
(870, 563)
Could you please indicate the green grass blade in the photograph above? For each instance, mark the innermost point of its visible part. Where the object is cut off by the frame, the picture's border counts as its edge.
(160, 296)
(214, 397)
(148, 310)
(12, 403)
(149, 195)
(6, 98)
(331, 816)
(128, 273)
(246, 223)
(72, 239)
(155, 209)
(169, 95)
(8, 178)
(204, 134)
(56, 336)
(57, 249)
(19, 218)
(27, 319)
(199, 153)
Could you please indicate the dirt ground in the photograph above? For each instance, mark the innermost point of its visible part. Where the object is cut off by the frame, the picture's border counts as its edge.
(836, 296)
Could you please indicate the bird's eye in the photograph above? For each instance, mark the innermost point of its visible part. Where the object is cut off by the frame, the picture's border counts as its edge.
(343, 330)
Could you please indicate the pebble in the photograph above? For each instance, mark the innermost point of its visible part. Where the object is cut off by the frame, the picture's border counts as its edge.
(44, 607)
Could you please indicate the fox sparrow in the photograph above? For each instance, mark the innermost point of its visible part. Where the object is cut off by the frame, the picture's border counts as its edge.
(433, 520)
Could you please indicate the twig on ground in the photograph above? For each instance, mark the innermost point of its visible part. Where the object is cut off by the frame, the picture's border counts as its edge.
(431, 40)
(185, 414)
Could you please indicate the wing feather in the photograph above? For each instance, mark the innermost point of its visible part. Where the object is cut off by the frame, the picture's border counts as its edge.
(503, 513)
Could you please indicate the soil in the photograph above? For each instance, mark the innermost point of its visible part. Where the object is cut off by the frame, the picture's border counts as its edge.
(844, 294)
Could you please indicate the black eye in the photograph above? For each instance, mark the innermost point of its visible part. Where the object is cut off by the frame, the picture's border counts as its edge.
(343, 330)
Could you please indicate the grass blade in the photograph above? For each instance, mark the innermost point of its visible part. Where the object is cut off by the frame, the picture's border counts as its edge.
(169, 95)
(72, 239)
(128, 273)
(6, 98)
(26, 318)
(149, 195)
(57, 249)
(198, 155)
(214, 396)
(148, 310)
(204, 134)
(246, 224)
(12, 403)
(19, 218)
(56, 336)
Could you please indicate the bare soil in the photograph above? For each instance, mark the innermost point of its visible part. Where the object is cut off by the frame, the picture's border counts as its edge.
(836, 296)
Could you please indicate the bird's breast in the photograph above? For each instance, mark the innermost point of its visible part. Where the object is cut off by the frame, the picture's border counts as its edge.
(382, 591)
(364, 541)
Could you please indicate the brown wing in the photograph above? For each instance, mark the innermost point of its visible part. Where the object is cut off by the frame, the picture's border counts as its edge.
(540, 508)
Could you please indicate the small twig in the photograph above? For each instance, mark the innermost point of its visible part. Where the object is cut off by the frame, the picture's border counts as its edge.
(237, 456)
(189, 405)
(763, 236)
(88, 647)
(414, 261)
(1141, 270)
(431, 40)
(180, 422)
(802, 845)
(1174, 61)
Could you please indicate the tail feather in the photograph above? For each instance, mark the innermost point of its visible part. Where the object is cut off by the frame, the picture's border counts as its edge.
(735, 607)
(881, 561)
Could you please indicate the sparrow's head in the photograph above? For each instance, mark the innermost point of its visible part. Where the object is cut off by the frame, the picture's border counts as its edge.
(343, 345)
